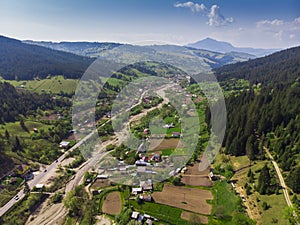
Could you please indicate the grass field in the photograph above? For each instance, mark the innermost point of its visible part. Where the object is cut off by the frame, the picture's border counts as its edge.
(56, 85)
(164, 213)
(16, 129)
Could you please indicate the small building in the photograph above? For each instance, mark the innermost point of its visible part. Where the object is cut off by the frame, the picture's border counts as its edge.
(39, 186)
(135, 215)
(146, 185)
(64, 144)
(149, 222)
(146, 198)
(96, 192)
(140, 163)
(136, 191)
(176, 134)
(102, 176)
(35, 130)
(145, 158)
(146, 131)
(155, 158)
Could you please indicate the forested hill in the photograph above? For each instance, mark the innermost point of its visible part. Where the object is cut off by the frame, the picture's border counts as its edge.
(268, 117)
(14, 103)
(25, 62)
(280, 67)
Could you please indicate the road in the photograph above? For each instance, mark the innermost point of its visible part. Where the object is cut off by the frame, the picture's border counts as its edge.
(49, 170)
(52, 167)
(281, 180)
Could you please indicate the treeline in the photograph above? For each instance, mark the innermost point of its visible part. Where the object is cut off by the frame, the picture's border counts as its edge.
(269, 117)
(19, 61)
(280, 67)
(14, 103)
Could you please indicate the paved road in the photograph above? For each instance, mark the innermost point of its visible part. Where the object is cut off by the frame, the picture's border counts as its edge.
(50, 170)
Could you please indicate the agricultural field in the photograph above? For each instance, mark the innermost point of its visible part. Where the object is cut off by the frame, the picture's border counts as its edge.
(194, 177)
(54, 85)
(191, 199)
(112, 204)
(194, 218)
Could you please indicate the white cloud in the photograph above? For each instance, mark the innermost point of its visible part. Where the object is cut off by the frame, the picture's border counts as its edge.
(215, 18)
(280, 29)
(195, 7)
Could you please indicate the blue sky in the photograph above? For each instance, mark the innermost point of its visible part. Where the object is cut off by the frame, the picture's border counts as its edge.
(254, 23)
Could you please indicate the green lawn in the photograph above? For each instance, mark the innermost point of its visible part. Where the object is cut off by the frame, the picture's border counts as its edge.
(56, 85)
(162, 212)
(277, 204)
(15, 128)
(225, 202)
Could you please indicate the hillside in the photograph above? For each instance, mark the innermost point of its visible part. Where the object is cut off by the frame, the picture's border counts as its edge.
(266, 116)
(24, 62)
(198, 60)
(89, 49)
(225, 47)
(279, 67)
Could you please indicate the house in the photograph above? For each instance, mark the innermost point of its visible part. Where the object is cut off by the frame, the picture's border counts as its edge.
(96, 192)
(155, 157)
(136, 191)
(64, 144)
(102, 176)
(145, 158)
(176, 134)
(140, 163)
(135, 215)
(146, 185)
(146, 198)
(149, 222)
(39, 186)
(140, 218)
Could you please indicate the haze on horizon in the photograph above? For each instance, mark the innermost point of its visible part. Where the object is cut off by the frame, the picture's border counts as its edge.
(254, 23)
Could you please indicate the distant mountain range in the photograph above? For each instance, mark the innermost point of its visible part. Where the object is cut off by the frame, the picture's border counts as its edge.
(29, 59)
(192, 60)
(225, 47)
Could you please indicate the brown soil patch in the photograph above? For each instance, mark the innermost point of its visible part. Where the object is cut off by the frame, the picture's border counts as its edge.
(190, 199)
(100, 183)
(161, 144)
(194, 177)
(112, 204)
(194, 218)
(196, 180)
(194, 170)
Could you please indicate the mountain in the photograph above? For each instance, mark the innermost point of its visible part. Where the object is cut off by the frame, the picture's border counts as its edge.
(23, 61)
(192, 60)
(279, 67)
(89, 49)
(225, 47)
(266, 115)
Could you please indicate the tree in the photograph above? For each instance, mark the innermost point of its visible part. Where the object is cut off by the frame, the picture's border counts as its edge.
(293, 179)
(264, 181)
(17, 145)
(7, 135)
(292, 215)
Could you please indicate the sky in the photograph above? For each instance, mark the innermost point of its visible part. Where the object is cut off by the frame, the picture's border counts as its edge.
(243, 23)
